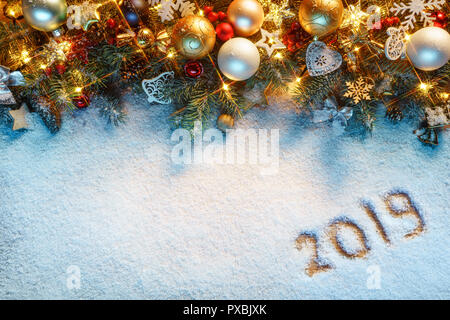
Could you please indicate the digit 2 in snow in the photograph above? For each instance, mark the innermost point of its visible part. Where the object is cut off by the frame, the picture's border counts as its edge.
(398, 204)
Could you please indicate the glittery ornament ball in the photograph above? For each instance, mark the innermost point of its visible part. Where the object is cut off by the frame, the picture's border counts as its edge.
(320, 17)
(45, 15)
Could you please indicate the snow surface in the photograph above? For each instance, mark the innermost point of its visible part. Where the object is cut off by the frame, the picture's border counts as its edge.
(111, 202)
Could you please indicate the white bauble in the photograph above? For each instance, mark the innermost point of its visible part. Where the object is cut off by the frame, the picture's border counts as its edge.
(238, 59)
(429, 48)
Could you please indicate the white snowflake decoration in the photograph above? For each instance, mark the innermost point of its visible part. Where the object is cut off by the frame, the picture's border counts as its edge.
(358, 90)
(154, 88)
(439, 116)
(395, 45)
(270, 42)
(168, 7)
(417, 8)
(79, 15)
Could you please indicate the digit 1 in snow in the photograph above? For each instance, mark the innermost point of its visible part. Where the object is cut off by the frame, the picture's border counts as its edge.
(370, 211)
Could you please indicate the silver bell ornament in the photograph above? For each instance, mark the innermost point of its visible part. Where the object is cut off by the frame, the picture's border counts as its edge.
(429, 48)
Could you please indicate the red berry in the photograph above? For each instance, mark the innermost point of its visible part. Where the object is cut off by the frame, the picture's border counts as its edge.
(213, 16)
(60, 68)
(222, 15)
(111, 23)
(440, 16)
(207, 9)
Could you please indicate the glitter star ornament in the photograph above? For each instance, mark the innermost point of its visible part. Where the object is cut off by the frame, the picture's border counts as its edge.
(270, 42)
(279, 12)
(358, 90)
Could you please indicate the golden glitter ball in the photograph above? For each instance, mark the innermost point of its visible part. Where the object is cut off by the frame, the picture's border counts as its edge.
(320, 17)
(194, 37)
(145, 38)
(246, 16)
(225, 122)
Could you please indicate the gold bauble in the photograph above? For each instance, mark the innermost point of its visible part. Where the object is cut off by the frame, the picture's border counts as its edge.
(45, 15)
(193, 37)
(225, 122)
(246, 16)
(145, 38)
(320, 17)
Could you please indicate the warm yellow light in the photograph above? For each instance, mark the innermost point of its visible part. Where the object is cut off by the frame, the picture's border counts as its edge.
(298, 80)
(201, 13)
(43, 66)
(278, 56)
(225, 87)
(12, 13)
(445, 95)
(356, 49)
(26, 56)
(424, 86)
(78, 90)
(170, 55)
(407, 37)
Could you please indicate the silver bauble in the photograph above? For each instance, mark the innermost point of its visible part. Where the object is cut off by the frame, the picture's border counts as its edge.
(45, 15)
(238, 59)
(429, 48)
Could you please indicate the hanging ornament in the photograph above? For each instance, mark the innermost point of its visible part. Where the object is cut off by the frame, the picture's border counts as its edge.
(321, 60)
(238, 59)
(429, 48)
(224, 31)
(45, 15)
(145, 37)
(154, 88)
(395, 45)
(81, 101)
(193, 69)
(246, 16)
(193, 37)
(8, 78)
(225, 122)
(130, 14)
(320, 17)
(270, 42)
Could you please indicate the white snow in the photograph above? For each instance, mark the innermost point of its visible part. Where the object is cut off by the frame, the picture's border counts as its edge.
(110, 202)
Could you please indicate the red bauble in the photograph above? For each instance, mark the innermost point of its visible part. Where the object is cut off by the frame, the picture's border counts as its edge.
(193, 69)
(111, 23)
(81, 102)
(224, 31)
(60, 68)
(440, 19)
(222, 15)
(213, 16)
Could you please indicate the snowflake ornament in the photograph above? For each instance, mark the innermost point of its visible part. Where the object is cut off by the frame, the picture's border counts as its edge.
(358, 90)
(417, 8)
(167, 8)
(270, 42)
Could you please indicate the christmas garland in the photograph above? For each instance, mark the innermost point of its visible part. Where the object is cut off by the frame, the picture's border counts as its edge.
(334, 62)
